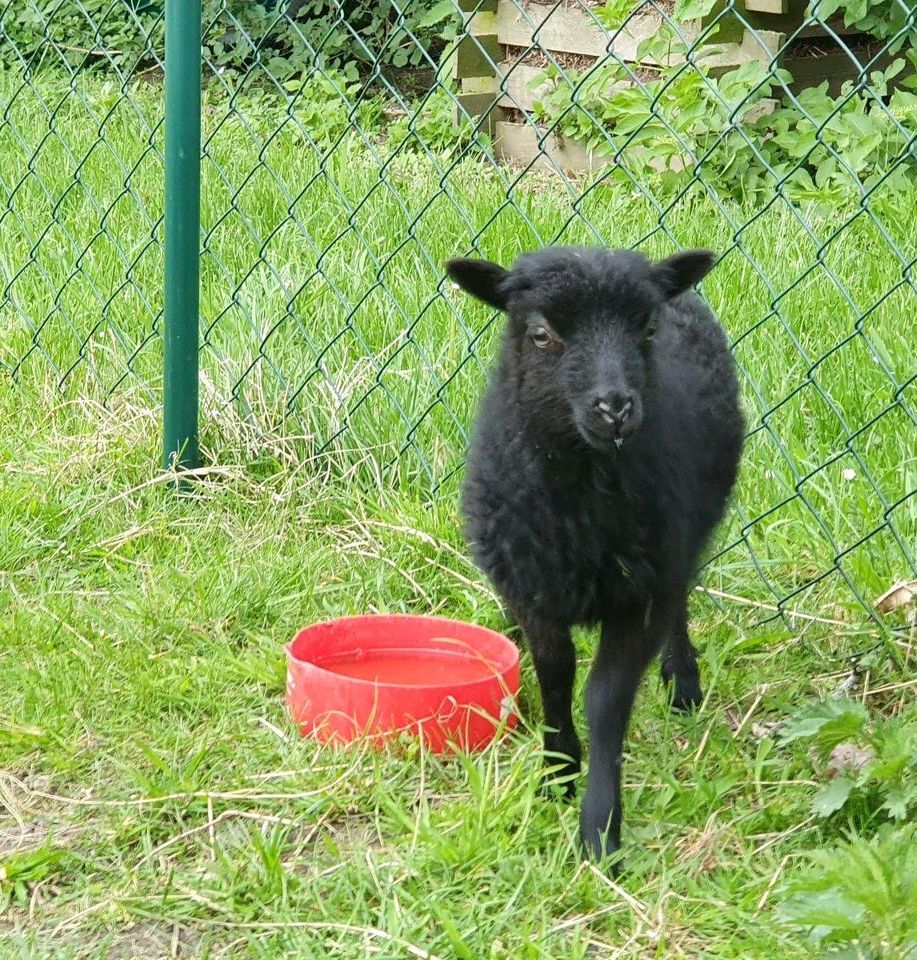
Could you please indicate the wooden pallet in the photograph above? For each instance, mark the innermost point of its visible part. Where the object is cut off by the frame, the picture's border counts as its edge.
(500, 36)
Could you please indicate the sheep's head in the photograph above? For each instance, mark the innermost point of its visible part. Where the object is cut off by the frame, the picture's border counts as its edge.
(583, 327)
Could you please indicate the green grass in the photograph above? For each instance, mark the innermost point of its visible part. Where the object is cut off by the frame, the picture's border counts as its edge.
(325, 331)
(155, 800)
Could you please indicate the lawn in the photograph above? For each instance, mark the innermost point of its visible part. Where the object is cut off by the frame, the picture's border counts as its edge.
(154, 799)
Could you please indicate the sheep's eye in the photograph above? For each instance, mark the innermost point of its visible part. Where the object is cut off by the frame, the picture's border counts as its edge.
(649, 331)
(542, 338)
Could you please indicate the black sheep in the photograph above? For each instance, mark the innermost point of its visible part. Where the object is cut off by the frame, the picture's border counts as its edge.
(603, 457)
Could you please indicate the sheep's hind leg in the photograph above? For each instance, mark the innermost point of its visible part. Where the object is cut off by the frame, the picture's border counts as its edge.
(679, 666)
(555, 664)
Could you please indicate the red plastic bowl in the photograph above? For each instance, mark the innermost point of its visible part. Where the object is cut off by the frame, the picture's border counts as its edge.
(449, 682)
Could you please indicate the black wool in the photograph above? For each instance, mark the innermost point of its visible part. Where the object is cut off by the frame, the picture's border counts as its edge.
(603, 457)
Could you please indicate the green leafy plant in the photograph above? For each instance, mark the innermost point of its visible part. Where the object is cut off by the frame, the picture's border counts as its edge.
(733, 131)
(693, 9)
(276, 39)
(659, 126)
(321, 107)
(858, 901)
(21, 871)
(613, 13)
(886, 19)
(328, 102)
(91, 32)
(870, 761)
(826, 724)
(431, 123)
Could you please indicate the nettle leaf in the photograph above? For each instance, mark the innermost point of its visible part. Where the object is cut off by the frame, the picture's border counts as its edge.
(897, 801)
(437, 13)
(815, 102)
(895, 743)
(855, 10)
(614, 13)
(539, 80)
(824, 9)
(693, 9)
(827, 723)
(824, 911)
(823, 174)
(833, 797)
(859, 153)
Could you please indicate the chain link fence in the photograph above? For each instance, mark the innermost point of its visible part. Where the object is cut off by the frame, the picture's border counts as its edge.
(349, 148)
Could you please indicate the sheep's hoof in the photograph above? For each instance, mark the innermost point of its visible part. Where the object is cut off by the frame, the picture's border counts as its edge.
(600, 849)
(686, 694)
(684, 688)
(563, 758)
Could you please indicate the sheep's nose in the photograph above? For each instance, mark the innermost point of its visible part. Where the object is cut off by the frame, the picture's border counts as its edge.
(614, 406)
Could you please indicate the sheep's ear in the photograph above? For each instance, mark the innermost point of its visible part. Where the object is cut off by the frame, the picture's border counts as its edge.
(480, 278)
(683, 270)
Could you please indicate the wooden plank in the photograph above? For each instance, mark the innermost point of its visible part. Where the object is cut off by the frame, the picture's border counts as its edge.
(475, 65)
(729, 17)
(556, 28)
(476, 56)
(520, 142)
(514, 80)
(526, 143)
(472, 6)
(835, 67)
(511, 92)
(835, 24)
(473, 85)
(572, 30)
(551, 28)
(767, 6)
(517, 95)
(475, 104)
(481, 24)
(763, 45)
(791, 20)
(479, 108)
(788, 19)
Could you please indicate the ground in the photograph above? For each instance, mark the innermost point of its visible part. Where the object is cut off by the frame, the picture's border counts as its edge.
(146, 744)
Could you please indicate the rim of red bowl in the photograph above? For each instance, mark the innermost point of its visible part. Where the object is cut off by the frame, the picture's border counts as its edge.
(510, 650)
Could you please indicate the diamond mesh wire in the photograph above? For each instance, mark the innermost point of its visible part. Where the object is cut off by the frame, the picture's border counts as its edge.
(350, 148)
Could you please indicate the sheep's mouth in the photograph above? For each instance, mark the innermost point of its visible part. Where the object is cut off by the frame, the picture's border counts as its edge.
(605, 440)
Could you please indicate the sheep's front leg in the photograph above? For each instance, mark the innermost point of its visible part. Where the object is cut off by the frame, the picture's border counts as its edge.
(623, 654)
(679, 666)
(555, 664)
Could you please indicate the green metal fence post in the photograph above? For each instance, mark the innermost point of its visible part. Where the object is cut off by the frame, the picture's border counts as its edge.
(182, 232)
